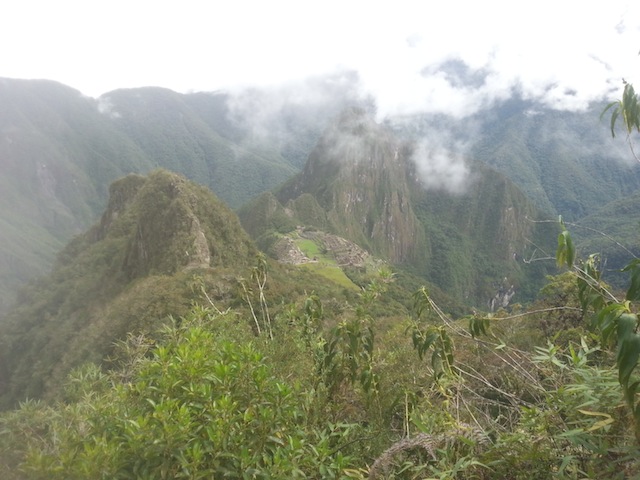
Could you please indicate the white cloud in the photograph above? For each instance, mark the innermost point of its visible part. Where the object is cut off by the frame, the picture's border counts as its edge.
(439, 155)
(440, 168)
(105, 107)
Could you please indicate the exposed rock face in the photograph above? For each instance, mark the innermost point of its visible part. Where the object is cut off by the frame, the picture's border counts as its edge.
(199, 253)
(358, 175)
(502, 298)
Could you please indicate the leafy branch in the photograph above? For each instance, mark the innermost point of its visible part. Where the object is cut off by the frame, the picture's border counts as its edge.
(613, 319)
(628, 109)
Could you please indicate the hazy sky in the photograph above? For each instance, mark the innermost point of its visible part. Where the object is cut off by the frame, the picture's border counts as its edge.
(565, 53)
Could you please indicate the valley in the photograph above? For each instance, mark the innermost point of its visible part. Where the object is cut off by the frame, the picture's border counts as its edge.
(191, 287)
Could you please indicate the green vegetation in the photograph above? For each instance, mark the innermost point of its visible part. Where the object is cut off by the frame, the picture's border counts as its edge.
(128, 272)
(539, 150)
(360, 183)
(337, 393)
(198, 405)
(163, 345)
(323, 263)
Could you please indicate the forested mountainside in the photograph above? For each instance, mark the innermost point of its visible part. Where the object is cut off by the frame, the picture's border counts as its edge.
(612, 232)
(360, 182)
(127, 272)
(566, 163)
(60, 150)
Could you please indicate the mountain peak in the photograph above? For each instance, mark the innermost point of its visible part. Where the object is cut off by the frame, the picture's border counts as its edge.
(358, 175)
(173, 224)
(128, 272)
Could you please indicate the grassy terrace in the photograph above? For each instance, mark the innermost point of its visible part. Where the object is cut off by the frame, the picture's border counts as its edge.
(325, 265)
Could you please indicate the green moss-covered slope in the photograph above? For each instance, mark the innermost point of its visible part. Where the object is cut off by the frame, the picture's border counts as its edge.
(157, 237)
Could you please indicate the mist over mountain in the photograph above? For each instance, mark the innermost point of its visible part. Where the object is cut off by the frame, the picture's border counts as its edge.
(363, 182)
(60, 150)
(567, 163)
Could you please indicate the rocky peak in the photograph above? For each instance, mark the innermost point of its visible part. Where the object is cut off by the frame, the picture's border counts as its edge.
(121, 193)
(165, 223)
(358, 173)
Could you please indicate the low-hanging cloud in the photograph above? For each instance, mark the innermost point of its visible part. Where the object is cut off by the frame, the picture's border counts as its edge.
(440, 164)
(106, 107)
(296, 111)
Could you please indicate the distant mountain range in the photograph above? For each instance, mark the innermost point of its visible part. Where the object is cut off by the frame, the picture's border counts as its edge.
(59, 151)
(464, 207)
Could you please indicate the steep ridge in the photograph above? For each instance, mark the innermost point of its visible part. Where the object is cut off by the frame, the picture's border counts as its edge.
(158, 235)
(358, 175)
(361, 183)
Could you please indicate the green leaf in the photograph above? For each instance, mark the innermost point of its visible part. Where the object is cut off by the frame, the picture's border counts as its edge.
(607, 320)
(628, 358)
(633, 292)
(614, 115)
(565, 254)
(627, 324)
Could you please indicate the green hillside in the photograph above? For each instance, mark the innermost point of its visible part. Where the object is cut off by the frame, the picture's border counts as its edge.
(360, 183)
(57, 158)
(566, 163)
(612, 232)
(136, 266)
(59, 151)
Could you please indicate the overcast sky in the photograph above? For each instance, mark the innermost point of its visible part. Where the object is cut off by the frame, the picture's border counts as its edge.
(565, 53)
